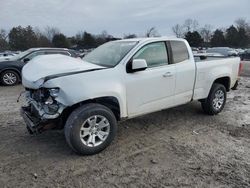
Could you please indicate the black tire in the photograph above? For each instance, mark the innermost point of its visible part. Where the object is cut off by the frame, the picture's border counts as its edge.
(6, 83)
(207, 104)
(74, 124)
(235, 85)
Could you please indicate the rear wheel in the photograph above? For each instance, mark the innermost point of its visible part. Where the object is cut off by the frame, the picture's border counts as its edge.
(216, 100)
(9, 78)
(90, 129)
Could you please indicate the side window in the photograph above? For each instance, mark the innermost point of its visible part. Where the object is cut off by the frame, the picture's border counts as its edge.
(179, 50)
(155, 54)
(34, 54)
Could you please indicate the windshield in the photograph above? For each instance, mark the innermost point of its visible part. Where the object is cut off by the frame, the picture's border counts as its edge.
(110, 54)
(21, 55)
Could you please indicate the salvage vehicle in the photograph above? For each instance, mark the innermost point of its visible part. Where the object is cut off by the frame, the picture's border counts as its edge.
(117, 81)
(11, 67)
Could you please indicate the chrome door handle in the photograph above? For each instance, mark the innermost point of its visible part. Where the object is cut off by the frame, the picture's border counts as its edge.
(167, 74)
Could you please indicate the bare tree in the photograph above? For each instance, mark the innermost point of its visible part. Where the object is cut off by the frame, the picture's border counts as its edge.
(187, 25)
(3, 34)
(178, 30)
(241, 23)
(3, 40)
(42, 40)
(206, 33)
(129, 36)
(37, 31)
(104, 34)
(50, 32)
(79, 35)
(152, 32)
(248, 29)
(190, 25)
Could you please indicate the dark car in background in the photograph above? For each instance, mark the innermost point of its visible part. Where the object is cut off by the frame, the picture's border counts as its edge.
(224, 51)
(245, 55)
(10, 69)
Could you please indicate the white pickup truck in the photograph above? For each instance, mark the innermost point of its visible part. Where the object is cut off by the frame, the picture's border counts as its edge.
(120, 80)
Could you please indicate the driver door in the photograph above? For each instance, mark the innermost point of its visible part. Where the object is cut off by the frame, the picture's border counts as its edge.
(151, 89)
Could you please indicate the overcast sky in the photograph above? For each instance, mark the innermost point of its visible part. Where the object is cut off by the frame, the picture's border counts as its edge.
(119, 17)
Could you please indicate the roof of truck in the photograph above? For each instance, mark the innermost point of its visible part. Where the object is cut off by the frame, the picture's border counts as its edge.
(152, 39)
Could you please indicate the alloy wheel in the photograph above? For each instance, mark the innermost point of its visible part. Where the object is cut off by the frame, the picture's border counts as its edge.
(218, 100)
(94, 131)
(9, 78)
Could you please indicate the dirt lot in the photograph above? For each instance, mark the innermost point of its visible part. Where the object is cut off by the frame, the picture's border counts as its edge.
(172, 148)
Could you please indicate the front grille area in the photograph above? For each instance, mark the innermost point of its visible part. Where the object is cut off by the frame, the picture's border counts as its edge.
(39, 95)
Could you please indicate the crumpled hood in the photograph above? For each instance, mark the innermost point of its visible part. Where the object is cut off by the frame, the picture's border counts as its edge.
(41, 67)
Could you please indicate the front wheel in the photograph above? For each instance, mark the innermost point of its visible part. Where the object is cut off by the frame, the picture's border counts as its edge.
(216, 100)
(90, 129)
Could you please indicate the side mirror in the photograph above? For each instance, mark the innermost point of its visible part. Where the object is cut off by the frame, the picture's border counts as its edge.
(26, 60)
(139, 65)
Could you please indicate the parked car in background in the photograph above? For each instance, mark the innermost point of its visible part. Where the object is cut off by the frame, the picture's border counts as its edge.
(240, 51)
(6, 55)
(195, 50)
(245, 55)
(10, 69)
(225, 51)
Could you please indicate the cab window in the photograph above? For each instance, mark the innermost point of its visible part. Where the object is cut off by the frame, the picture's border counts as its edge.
(155, 54)
(179, 50)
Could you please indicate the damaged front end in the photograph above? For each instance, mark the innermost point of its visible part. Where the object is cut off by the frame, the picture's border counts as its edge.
(42, 111)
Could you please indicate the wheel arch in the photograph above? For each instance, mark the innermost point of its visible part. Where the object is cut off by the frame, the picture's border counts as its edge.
(225, 81)
(11, 69)
(110, 102)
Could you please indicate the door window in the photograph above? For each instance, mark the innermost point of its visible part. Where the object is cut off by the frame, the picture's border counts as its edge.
(34, 54)
(155, 54)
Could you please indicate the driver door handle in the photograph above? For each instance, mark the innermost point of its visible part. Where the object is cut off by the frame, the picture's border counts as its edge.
(167, 74)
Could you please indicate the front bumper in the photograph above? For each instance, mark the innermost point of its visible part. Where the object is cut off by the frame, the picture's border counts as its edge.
(34, 124)
(38, 115)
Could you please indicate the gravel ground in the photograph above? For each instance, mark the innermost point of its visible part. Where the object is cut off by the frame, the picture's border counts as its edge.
(178, 147)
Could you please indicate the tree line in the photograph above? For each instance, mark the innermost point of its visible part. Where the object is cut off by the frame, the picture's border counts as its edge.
(22, 38)
(235, 36)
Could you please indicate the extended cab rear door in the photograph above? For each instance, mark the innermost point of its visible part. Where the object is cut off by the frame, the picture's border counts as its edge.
(185, 71)
(151, 89)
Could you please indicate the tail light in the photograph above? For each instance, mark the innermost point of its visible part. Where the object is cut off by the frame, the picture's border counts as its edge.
(240, 68)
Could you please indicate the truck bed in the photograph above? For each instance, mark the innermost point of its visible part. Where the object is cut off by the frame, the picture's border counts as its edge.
(207, 69)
